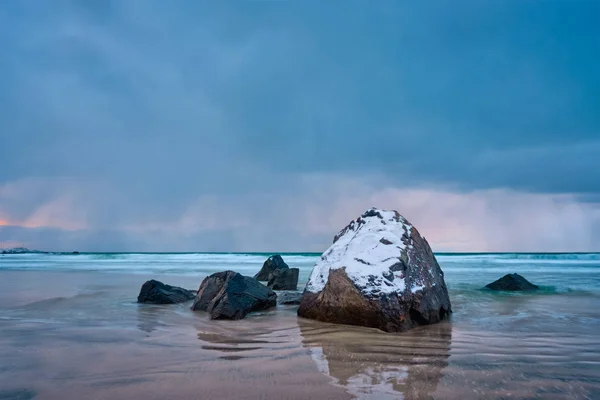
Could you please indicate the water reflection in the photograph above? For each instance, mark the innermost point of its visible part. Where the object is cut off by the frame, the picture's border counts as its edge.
(371, 364)
(258, 336)
(149, 316)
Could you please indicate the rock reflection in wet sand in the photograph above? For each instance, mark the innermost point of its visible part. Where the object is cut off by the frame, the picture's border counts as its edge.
(371, 364)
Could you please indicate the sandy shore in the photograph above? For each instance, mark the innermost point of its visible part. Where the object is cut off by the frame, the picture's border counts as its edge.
(81, 335)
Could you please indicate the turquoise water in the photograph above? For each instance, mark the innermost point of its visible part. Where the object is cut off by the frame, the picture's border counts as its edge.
(565, 272)
(71, 327)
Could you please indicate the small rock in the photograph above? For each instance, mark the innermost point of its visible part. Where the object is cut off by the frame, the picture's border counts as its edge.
(512, 282)
(284, 279)
(272, 263)
(289, 297)
(230, 295)
(156, 292)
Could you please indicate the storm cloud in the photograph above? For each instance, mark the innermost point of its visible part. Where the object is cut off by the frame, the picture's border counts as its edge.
(266, 126)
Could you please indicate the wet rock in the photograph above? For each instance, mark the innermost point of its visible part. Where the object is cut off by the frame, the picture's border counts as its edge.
(230, 295)
(512, 282)
(378, 273)
(272, 264)
(289, 297)
(156, 292)
(284, 279)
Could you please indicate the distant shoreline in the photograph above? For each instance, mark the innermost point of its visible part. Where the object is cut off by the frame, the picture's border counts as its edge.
(266, 253)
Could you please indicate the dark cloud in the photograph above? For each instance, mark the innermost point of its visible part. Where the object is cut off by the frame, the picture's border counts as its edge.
(152, 91)
(128, 112)
(447, 98)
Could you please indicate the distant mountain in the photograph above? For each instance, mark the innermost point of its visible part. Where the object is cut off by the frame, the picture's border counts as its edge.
(20, 250)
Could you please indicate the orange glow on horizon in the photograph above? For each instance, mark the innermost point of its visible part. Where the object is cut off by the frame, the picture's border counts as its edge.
(6, 222)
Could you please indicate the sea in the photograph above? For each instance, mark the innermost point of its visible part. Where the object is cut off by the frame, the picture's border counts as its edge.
(70, 327)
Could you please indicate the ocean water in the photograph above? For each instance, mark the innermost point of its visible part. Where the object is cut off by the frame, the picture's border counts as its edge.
(70, 328)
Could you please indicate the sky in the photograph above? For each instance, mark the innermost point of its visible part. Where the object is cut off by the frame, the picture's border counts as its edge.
(146, 125)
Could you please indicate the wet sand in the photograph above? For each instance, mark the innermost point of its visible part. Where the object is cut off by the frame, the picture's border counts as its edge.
(81, 335)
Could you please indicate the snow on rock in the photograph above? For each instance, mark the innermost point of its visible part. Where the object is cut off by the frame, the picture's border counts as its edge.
(368, 248)
(380, 266)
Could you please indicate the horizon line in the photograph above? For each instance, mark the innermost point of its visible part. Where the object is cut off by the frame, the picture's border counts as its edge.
(283, 252)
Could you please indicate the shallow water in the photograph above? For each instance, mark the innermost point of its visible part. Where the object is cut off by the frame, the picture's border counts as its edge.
(70, 328)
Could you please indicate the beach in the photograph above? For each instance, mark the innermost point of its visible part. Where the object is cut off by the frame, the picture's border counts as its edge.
(71, 328)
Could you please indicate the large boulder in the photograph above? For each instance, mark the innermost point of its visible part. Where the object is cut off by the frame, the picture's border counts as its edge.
(512, 282)
(284, 279)
(156, 292)
(230, 295)
(379, 273)
(272, 264)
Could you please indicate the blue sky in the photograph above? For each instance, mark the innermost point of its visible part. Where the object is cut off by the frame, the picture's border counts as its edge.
(267, 126)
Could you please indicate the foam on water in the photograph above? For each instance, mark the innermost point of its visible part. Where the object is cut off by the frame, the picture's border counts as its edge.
(561, 272)
(554, 258)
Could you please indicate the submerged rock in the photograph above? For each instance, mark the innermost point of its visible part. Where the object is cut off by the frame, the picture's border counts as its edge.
(289, 297)
(272, 264)
(230, 295)
(157, 292)
(512, 282)
(284, 279)
(379, 273)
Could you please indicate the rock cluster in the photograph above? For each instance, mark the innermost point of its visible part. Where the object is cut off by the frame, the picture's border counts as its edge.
(379, 272)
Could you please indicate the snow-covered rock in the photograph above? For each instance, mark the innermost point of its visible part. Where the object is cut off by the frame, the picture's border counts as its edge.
(380, 273)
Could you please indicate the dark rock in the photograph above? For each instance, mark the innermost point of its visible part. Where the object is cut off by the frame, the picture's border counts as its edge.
(229, 295)
(512, 282)
(284, 279)
(289, 297)
(379, 272)
(159, 293)
(273, 263)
